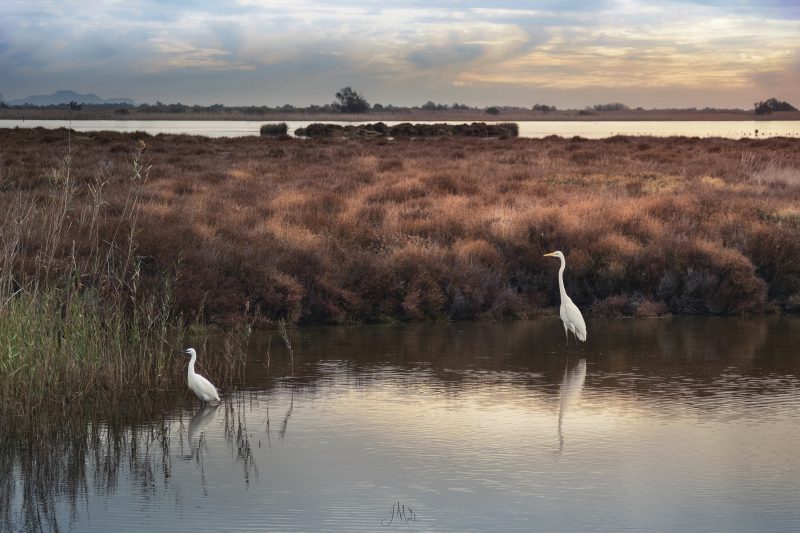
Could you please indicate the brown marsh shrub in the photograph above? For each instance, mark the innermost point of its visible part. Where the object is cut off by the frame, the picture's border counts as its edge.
(332, 230)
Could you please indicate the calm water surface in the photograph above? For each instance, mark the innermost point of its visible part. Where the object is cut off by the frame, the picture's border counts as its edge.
(683, 424)
(590, 130)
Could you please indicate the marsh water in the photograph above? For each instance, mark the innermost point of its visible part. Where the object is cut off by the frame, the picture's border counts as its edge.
(676, 424)
(591, 130)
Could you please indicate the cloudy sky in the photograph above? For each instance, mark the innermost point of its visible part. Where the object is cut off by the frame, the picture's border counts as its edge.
(681, 53)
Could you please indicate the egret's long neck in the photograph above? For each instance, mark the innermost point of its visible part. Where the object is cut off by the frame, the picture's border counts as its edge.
(560, 280)
(191, 363)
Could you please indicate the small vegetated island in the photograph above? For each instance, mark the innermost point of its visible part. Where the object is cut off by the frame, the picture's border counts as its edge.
(379, 129)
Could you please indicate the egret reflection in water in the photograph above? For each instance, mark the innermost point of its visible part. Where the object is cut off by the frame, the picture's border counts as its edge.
(203, 433)
(200, 420)
(571, 386)
(197, 440)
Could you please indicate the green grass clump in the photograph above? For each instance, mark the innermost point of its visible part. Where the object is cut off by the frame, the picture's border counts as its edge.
(65, 346)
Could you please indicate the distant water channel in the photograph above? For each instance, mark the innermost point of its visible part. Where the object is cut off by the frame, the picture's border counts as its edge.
(534, 129)
(682, 424)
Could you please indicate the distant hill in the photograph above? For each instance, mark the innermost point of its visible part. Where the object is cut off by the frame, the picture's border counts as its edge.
(65, 97)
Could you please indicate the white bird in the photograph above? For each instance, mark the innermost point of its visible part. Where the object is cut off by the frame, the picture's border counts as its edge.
(202, 388)
(570, 314)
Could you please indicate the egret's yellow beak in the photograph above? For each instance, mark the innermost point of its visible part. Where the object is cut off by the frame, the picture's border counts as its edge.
(551, 254)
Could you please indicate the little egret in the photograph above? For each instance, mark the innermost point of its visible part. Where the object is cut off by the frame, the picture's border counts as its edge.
(570, 314)
(202, 388)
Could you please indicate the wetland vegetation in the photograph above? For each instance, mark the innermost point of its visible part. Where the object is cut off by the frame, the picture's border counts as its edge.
(113, 244)
(330, 231)
(117, 248)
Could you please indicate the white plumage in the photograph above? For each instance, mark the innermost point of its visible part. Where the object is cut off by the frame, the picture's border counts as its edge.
(570, 314)
(202, 388)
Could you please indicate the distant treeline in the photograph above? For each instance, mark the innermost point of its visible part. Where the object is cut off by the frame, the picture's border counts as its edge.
(160, 107)
(766, 107)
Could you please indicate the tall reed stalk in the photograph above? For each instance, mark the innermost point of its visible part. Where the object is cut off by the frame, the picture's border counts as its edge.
(77, 326)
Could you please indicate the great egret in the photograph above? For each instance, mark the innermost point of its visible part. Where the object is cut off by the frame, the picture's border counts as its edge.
(570, 314)
(202, 388)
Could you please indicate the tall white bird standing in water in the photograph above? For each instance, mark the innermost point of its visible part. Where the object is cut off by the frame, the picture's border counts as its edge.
(570, 314)
(202, 388)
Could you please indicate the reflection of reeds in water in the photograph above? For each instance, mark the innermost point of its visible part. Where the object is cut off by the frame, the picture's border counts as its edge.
(74, 455)
(571, 387)
(238, 438)
(285, 424)
(77, 456)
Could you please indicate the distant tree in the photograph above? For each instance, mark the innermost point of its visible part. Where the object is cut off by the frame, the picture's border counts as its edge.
(616, 106)
(431, 106)
(772, 104)
(492, 111)
(459, 106)
(74, 106)
(377, 107)
(544, 108)
(350, 101)
(176, 108)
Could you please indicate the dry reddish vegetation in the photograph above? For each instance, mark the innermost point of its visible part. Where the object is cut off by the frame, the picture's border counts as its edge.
(360, 230)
